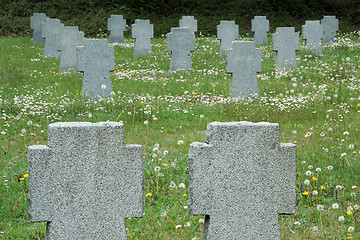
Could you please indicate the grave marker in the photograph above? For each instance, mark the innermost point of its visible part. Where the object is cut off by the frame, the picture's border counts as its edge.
(116, 26)
(67, 40)
(242, 179)
(142, 31)
(189, 22)
(95, 60)
(285, 43)
(180, 43)
(36, 24)
(50, 27)
(86, 181)
(312, 32)
(260, 27)
(243, 61)
(227, 32)
(330, 25)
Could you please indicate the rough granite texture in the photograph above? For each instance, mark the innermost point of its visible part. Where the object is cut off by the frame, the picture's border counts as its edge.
(312, 32)
(331, 26)
(67, 40)
(116, 26)
(96, 59)
(142, 31)
(36, 24)
(180, 42)
(242, 179)
(86, 181)
(50, 27)
(189, 22)
(243, 61)
(260, 27)
(227, 32)
(285, 43)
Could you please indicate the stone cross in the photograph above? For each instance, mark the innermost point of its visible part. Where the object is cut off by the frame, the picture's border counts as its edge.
(242, 179)
(189, 22)
(312, 32)
(67, 40)
(243, 61)
(35, 24)
(180, 43)
(330, 25)
(50, 27)
(116, 26)
(95, 60)
(285, 43)
(86, 181)
(227, 32)
(142, 31)
(260, 27)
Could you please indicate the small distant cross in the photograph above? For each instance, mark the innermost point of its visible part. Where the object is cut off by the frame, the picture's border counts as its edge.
(260, 27)
(50, 27)
(189, 22)
(116, 26)
(285, 43)
(227, 32)
(36, 24)
(331, 26)
(142, 31)
(243, 61)
(313, 32)
(180, 43)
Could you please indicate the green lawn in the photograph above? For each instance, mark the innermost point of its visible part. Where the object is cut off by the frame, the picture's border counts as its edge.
(317, 106)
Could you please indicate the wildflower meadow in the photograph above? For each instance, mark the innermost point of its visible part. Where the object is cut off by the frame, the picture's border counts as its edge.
(317, 106)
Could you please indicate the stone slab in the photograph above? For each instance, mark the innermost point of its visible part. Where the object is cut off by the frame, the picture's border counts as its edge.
(331, 26)
(68, 39)
(227, 32)
(96, 59)
(243, 61)
(180, 42)
(285, 43)
(312, 32)
(50, 27)
(142, 31)
(260, 27)
(242, 179)
(86, 181)
(36, 24)
(116, 26)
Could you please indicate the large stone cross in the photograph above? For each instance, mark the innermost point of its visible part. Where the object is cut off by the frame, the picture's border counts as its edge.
(242, 179)
(50, 27)
(190, 22)
(86, 181)
(142, 31)
(243, 61)
(180, 42)
(313, 32)
(36, 24)
(96, 59)
(67, 40)
(285, 43)
(227, 32)
(260, 27)
(330, 25)
(116, 26)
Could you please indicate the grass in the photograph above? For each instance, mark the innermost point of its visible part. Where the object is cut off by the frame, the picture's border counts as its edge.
(317, 106)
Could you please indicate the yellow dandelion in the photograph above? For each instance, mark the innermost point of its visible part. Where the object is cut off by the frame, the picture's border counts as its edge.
(26, 175)
(185, 195)
(314, 178)
(165, 165)
(22, 179)
(322, 187)
(358, 105)
(349, 213)
(148, 195)
(305, 193)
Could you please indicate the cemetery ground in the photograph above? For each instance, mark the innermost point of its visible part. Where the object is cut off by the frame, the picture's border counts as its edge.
(317, 106)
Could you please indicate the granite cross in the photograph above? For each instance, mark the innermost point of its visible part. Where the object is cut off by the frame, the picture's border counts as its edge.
(189, 22)
(50, 27)
(330, 25)
(142, 31)
(36, 24)
(260, 27)
(285, 43)
(227, 32)
(116, 26)
(313, 32)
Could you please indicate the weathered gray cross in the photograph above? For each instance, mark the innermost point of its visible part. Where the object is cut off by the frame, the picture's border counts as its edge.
(313, 32)
(285, 43)
(227, 32)
(180, 43)
(142, 31)
(260, 27)
(96, 59)
(86, 181)
(50, 27)
(67, 40)
(243, 61)
(330, 25)
(36, 24)
(116, 26)
(189, 22)
(242, 179)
